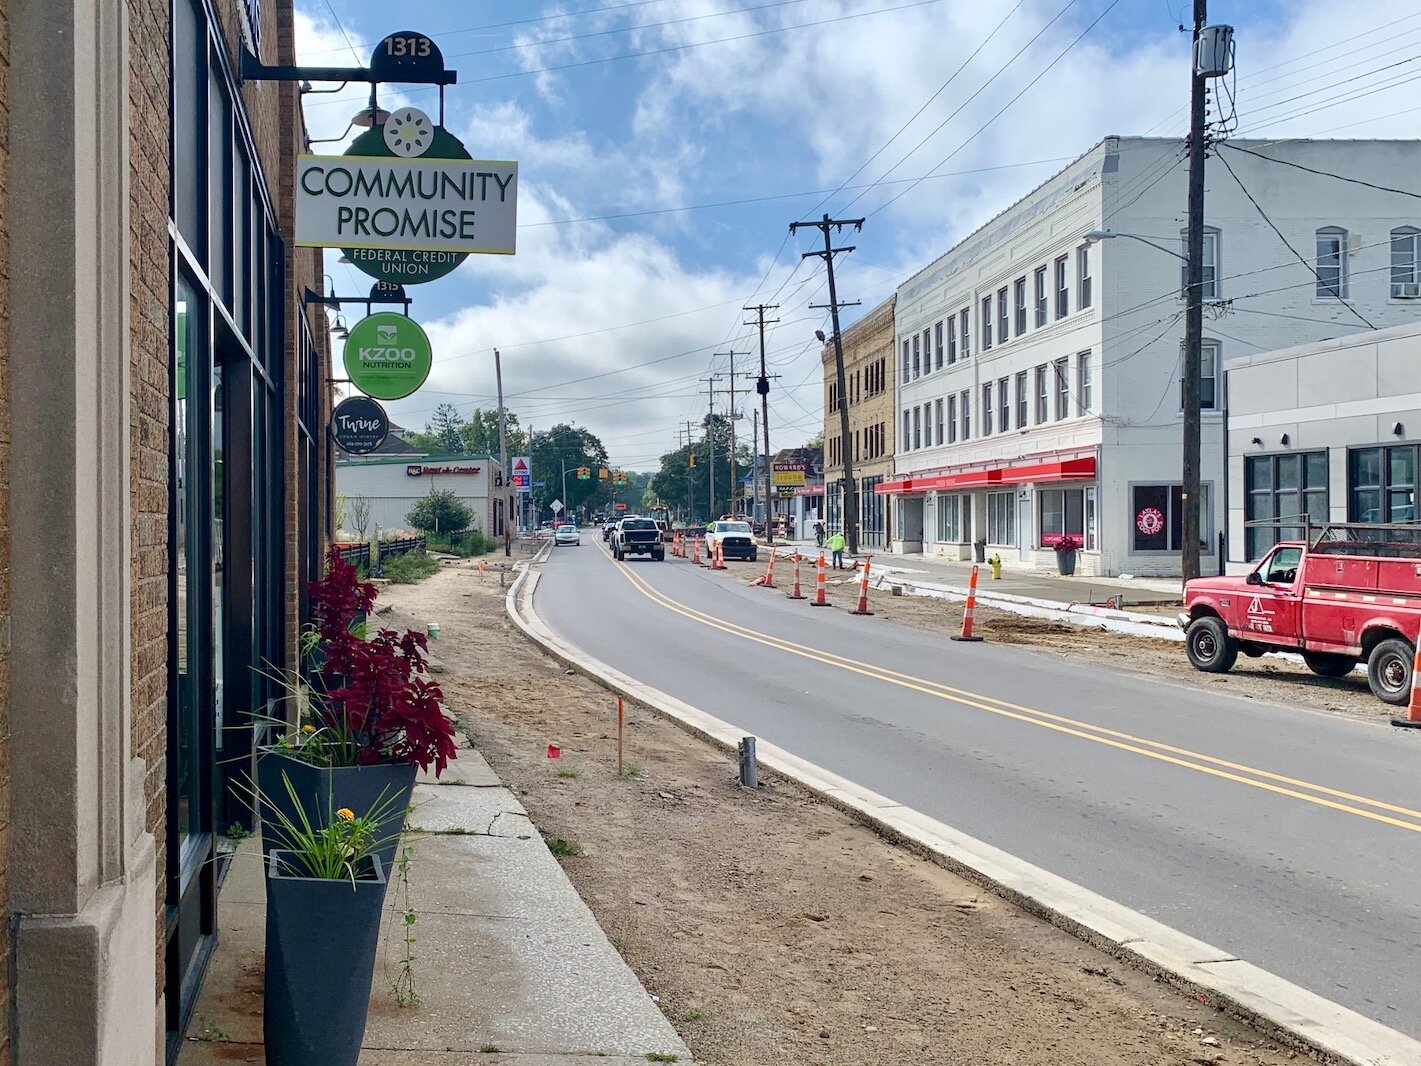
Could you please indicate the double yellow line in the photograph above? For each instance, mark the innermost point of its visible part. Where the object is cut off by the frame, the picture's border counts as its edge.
(1280, 784)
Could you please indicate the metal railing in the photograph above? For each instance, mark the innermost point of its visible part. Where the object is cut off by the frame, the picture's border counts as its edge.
(359, 554)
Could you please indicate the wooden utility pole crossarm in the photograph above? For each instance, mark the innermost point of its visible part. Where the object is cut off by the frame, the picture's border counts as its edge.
(824, 225)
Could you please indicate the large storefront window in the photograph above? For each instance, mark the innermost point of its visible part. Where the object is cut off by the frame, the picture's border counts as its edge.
(1062, 514)
(871, 513)
(227, 489)
(1278, 488)
(1001, 518)
(1381, 484)
(954, 518)
(1157, 517)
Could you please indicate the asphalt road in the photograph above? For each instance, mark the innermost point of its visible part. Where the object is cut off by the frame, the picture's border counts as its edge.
(1288, 837)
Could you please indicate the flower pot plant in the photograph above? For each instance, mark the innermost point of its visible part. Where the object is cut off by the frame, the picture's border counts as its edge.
(1066, 549)
(373, 718)
(325, 892)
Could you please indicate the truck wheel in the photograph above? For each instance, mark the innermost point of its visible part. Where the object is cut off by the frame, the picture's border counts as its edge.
(1209, 646)
(658, 555)
(1324, 664)
(1389, 671)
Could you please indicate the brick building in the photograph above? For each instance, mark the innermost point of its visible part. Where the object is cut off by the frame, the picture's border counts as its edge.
(869, 371)
(164, 493)
(1038, 390)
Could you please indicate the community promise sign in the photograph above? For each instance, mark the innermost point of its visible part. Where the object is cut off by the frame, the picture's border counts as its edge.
(420, 205)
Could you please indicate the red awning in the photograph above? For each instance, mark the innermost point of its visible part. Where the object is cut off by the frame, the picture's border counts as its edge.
(1077, 469)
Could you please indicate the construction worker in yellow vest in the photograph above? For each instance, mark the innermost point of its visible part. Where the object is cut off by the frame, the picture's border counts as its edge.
(836, 545)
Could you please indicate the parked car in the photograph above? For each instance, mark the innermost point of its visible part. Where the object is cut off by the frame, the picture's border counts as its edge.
(1351, 594)
(567, 533)
(734, 537)
(637, 536)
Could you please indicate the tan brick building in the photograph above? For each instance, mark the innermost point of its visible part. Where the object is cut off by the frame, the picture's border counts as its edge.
(869, 370)
(164, 493)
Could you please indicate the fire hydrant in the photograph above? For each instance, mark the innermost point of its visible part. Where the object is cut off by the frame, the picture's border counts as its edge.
(995, 562)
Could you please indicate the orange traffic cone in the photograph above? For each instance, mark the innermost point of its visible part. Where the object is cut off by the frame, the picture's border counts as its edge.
(862, 607)
(696, 550)
(971, 609)
(796, 594)
(718, 557)
(821, 585)
(769, 581)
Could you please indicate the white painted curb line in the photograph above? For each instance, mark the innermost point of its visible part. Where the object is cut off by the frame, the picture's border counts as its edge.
(1277, 1008)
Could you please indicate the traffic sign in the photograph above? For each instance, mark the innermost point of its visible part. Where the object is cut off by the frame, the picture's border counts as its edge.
(621, 506)
(555, 507)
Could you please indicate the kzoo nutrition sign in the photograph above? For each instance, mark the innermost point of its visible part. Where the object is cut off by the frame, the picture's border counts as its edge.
(387, 356)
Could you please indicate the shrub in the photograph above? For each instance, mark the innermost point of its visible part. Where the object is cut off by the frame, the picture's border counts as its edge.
(440, 511)
(409, 568)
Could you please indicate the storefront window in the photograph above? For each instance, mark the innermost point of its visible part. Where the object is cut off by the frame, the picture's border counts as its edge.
(1281, 487)
(1157, 517)
(954, 518)
(1062, 514)
(1381, 484)
(1001, 518)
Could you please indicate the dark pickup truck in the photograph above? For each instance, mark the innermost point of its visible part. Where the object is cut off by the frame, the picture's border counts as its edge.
(637, 536)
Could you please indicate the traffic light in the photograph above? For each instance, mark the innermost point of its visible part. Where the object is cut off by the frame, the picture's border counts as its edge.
(602, 473)
(691, 459)
(584, 473)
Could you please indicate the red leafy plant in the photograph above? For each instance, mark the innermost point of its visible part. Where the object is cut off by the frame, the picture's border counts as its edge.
(378, 704)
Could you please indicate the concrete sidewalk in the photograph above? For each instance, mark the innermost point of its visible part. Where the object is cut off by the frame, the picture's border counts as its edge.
(511, 966)
(1019, 580)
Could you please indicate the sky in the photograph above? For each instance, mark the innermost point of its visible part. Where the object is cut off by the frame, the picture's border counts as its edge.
(664, 146)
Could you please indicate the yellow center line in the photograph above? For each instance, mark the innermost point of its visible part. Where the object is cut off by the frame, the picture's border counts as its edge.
(1160, 752)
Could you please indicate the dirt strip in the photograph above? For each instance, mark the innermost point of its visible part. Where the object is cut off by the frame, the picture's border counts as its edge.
(772, 927)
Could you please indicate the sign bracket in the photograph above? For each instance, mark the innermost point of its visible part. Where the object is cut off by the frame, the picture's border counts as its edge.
(310, 296)
(253, 69)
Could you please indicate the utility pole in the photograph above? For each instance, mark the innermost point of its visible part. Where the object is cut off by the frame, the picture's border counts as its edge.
(503, 459)
(1194, 306)
(734, 488)
(755, 464)
(824, 225)
(710, 438)
(762, 386)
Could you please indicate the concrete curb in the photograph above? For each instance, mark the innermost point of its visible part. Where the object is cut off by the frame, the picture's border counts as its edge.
(1277, 1008)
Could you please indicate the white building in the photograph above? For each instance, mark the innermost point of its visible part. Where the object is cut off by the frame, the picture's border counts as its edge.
(1329, 431)
(1038, 379)
(395, 483)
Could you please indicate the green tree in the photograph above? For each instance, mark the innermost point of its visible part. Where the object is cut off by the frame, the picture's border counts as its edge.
(445, 428)
(686, 488)
(480, 433)
(569, 447)
(440, 512)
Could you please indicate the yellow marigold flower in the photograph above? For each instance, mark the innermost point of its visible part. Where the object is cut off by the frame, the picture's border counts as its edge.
(345, 814)
(308, 728)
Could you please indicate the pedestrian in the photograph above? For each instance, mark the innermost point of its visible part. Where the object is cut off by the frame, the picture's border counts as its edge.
(836, 545)
(819, 534)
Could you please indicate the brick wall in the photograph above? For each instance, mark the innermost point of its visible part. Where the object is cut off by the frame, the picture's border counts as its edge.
(4, 525)
(149, 414)
(867, 341)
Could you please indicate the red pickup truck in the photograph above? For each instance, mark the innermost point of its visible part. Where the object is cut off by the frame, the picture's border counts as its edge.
(1347, 595)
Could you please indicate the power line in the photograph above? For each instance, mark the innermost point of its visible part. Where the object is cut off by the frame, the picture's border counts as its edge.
(940, 89)
(1044, 70)
(1264, 215)
(786, 195)
(689, 46)
(962, 106)
(1322, 173)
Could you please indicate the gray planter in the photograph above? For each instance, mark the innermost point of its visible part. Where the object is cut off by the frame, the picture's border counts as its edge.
(324, 790)
(979, 552)
(1066, 563)
(321, 939)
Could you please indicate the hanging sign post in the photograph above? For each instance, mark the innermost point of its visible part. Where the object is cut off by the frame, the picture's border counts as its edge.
(387, 356)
